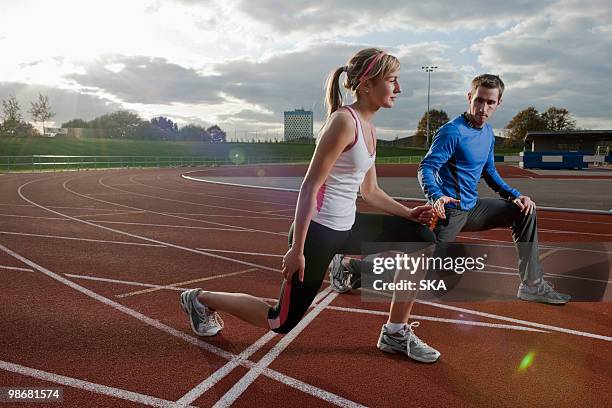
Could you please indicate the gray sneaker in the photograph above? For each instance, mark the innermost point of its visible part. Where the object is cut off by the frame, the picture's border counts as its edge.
(542, 292)
(338, 275)
(208, 323)
(406, 342)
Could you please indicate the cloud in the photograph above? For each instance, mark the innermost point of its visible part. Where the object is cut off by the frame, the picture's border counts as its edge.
(148, 80)
(559, 58)
(65, 104)
(256, 93)
(356, 16)
(241, 64)
(249, 117)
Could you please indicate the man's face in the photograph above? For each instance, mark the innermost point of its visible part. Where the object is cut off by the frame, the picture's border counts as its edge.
(483, 103)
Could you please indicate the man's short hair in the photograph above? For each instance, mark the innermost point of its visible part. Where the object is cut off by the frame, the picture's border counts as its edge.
(488, 81)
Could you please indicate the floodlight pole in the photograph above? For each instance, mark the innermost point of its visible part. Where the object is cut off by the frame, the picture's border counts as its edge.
(429, 69)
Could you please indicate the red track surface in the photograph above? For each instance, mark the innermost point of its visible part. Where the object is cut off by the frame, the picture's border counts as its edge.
(382, 170)
(121, 341)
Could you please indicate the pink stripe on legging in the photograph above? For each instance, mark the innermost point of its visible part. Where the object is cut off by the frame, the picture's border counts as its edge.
(284, 308)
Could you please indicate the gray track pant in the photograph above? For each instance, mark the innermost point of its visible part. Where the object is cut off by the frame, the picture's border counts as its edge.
(491, 213)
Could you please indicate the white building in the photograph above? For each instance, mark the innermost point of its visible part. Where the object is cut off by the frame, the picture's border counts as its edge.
(298, 124)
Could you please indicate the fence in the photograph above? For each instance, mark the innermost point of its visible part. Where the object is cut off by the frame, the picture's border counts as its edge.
(59, 163)
(561, 160)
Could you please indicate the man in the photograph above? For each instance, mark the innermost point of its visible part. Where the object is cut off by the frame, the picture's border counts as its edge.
(462, 153)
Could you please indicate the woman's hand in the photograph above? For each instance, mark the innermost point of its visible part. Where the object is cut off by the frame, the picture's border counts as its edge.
(293, 262)
(422, 214)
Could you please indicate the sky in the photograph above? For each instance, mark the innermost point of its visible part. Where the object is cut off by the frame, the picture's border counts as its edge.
(240, 64)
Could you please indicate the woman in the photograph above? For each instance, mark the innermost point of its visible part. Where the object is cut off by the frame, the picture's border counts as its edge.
(326, 221)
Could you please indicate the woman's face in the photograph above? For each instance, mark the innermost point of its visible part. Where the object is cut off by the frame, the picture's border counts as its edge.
(383, 90)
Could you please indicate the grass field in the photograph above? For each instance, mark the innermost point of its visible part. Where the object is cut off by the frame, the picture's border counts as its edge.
(17, 153)
(27, 146)
(20, 146)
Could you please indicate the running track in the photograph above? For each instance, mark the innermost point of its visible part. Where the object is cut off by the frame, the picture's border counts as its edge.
(91, 265)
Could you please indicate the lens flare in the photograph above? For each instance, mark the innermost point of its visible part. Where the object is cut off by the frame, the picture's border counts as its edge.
(237, 156)
(527, 361)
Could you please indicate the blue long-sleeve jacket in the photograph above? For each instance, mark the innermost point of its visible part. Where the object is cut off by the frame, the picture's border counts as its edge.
(458, 157)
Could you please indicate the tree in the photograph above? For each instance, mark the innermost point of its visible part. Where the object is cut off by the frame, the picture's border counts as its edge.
(169, 129)
(436, 119)
(41, 111)
(526, 120)
(164, 123)
(121, 123)
(11, 111)
(76, 123)
(11, 114)
(194, 132)
(217, 135)
(558, 119)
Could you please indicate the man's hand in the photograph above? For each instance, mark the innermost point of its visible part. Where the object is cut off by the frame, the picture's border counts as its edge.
(525, 204)
(438, 206)
(293, 262)
(422, 214)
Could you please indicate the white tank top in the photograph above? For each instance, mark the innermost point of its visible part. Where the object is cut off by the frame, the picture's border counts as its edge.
(336, 199)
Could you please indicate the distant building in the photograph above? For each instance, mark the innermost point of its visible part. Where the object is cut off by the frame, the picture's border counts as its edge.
(298, 125)
(216, 134)
(55, 131)
(583, 141)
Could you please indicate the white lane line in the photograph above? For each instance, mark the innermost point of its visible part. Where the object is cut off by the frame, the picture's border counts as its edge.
(177, 201)
(276, 211)
(519, 321)
(123, 282)
(173, 286)
(141, 237)
(239, 252)
(238, 389)
(222, 372)
(254, 217)
(510, 244)
(132, 179)
(552, 231)
(223, 183)
(87, 386)
(500, 317)
(215, 377)
(106, 215)
(433, 304)
(82, 239)
(121, 308)
(60, 207)
(576, 221)
(31, 216)
(560, 329)
(550, 275)
(292, 382)
(64, 185)
(541, 245)
(167, 226)
(105, 194)
(208, 278)
(440, 319)
(15, 268)
(415, 199)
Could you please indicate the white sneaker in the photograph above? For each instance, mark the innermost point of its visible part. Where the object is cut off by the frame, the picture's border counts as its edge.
(406, 342)
(208, 323)
(338, 275)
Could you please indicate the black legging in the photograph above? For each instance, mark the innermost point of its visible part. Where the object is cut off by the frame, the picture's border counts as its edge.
(322, 243)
